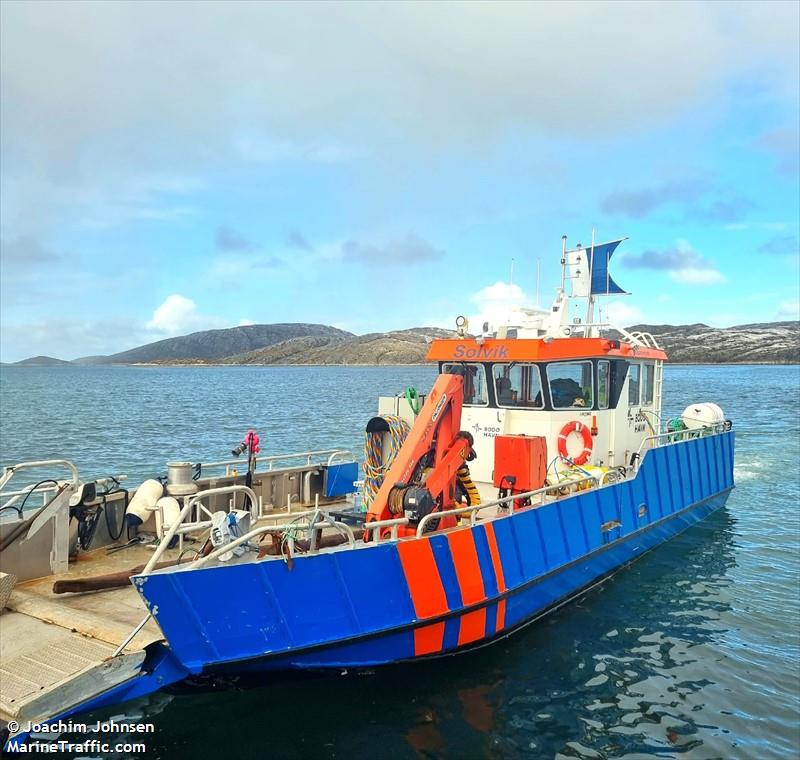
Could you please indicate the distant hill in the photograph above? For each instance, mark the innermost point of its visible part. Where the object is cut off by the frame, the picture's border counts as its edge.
(217, 344)
(292, 351)
(42, 361)
(768, 342)
(90, 360)
(397, 347)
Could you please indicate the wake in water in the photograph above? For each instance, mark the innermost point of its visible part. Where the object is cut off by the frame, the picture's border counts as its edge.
(750, 467)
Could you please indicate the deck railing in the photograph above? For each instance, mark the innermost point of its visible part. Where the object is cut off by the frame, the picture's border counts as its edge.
(679, 436)
(45, 490)
(320, 457)
(9, 472)
(189, 503)
(473, 510)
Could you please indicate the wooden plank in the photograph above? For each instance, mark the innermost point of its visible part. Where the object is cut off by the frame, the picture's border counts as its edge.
(112, 627)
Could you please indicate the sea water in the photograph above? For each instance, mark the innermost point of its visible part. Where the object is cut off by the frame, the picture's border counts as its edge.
(692, 652)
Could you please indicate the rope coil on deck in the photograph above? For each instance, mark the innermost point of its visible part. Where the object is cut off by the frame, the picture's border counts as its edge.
(375, 468)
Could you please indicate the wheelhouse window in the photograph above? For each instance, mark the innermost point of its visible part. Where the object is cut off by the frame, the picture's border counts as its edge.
(634, 372)
(518, 386)
(570, 384)
(648, 382)
(603, 383)
(475, 390)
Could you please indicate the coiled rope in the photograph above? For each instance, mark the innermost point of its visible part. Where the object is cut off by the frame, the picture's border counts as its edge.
(375, 468)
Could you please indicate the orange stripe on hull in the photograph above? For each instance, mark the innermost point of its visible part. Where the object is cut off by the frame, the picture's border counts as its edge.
(473, 626)
(422, 576)
(495, 554)
(468, 568)
(501, 616)
(428, 639)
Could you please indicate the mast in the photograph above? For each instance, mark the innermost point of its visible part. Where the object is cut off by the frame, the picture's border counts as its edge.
(590, 298)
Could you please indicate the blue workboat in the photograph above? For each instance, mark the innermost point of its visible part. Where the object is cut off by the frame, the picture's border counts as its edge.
(536, 466)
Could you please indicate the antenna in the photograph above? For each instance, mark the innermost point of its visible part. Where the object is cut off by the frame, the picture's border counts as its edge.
(511, 276)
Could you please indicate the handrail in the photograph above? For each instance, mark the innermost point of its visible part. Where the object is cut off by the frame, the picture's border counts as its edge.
(14, 496)
(637, 337)
(496, 502)
(11, 470)
(393, 523)
(268, 528)
(277, 458)
(336, 453)
(687, 434)
(187, 507)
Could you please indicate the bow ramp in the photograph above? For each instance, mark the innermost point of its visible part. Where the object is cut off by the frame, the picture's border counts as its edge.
(59, 652)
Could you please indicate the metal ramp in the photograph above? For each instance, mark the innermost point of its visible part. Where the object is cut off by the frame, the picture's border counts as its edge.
(56, 651)
(46, 669)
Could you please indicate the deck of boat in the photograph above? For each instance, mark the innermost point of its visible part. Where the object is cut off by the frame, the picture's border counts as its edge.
(56, 649)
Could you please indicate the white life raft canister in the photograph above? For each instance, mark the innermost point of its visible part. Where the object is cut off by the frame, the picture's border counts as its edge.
(140, 510)
(702, 415)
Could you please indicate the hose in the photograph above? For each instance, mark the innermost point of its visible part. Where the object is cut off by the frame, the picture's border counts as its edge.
(115, 488)
(465, 481)
(87, 525)
(375, 468)
(413, 399)
(40, 483)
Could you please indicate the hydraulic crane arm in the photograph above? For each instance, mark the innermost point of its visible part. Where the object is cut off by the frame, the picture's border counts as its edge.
(422, 478)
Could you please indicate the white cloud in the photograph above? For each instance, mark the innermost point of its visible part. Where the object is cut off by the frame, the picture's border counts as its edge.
(789, 309)
(681, 262)
(256, 81)
(697, 276)
(245, 322)
(178, 315)
(494, 302)
(623, 314)
(68, 337)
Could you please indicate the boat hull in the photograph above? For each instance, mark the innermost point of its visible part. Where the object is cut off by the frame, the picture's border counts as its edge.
(439, 594)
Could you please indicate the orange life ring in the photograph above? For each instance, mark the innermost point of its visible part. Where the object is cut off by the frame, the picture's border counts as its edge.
(566, 432)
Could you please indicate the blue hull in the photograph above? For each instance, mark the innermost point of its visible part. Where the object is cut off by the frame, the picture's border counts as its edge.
(439, 594)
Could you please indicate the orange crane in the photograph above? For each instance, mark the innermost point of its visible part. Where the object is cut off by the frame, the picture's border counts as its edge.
(422, 478)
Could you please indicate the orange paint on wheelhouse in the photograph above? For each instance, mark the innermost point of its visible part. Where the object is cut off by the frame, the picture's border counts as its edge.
(536, 349)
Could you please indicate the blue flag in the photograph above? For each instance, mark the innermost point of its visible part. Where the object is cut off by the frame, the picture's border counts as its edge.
(602, 284)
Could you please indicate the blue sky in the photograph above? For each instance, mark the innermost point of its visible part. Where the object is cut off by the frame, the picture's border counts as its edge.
(175, 167)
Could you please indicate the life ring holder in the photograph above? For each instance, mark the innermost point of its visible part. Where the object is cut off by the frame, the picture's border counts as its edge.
(566, 432)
